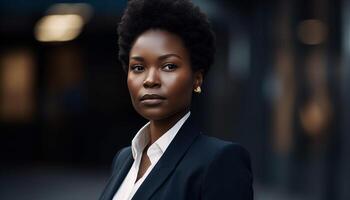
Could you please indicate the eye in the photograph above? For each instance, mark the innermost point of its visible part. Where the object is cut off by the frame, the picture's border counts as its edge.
(169, 67)
(137, 68)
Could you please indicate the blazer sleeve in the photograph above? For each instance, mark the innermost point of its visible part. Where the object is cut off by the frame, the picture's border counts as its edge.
(229, 175)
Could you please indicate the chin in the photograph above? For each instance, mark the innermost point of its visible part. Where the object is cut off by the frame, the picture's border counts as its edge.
(153, 117)
(153, 113)
(158, 113)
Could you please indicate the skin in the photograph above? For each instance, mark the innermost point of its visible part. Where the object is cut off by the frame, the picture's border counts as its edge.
(159, 63)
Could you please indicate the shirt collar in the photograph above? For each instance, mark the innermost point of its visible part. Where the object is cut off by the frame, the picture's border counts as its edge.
(141, 138)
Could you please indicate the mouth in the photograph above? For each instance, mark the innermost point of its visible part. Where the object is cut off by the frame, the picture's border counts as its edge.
(151, 99)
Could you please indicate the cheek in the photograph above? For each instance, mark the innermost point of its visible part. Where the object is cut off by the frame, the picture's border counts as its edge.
(181, 86)
(130, 85)
(133, 86)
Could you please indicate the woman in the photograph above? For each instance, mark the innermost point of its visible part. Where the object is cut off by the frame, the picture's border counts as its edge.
(166, 48)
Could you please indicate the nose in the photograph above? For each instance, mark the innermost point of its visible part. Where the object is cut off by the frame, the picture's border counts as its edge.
(152, 79)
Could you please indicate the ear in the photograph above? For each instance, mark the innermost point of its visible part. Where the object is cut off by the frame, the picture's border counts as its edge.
(198, 78)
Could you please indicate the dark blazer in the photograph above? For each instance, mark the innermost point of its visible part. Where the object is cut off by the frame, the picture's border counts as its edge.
(194, 167)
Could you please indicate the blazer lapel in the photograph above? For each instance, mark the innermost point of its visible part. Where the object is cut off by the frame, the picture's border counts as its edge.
(117, 178)
(167, 163)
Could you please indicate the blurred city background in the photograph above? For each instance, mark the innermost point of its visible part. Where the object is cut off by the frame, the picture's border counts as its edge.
(279, 86)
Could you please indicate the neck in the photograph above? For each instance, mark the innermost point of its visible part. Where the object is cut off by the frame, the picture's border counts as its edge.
(159, 127)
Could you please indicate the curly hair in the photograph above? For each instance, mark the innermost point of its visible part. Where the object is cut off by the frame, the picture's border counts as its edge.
(180, 17)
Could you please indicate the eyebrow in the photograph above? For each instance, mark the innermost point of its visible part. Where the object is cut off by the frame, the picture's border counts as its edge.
(140, 58)
(168, 55)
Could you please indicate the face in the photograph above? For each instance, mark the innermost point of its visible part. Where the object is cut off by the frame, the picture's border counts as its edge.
(160, 78)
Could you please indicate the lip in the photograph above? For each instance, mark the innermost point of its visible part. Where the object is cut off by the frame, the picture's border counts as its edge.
(151, 99)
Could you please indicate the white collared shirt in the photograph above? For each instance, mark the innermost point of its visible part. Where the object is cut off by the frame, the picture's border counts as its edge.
(128, 188)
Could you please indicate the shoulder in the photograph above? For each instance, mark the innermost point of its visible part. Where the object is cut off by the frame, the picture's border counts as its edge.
(225, 153)
(120, 157)
(213, 148)
(211, 154)
(229, 164)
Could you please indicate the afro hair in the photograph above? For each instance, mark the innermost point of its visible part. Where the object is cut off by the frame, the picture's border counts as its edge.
(180, 17)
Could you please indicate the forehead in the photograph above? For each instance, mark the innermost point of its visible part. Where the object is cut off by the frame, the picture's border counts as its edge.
(158, 42)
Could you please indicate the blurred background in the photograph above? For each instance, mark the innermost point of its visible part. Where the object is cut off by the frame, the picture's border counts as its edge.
(279, 87)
